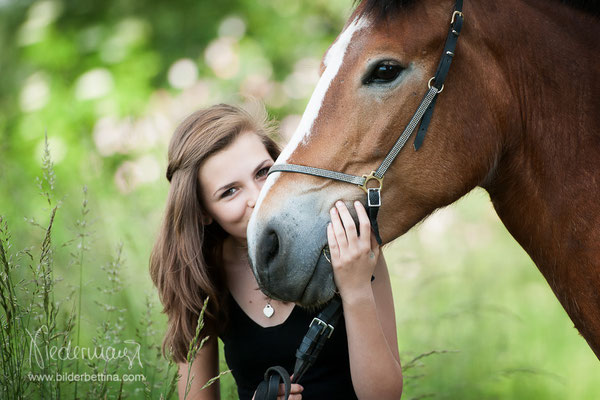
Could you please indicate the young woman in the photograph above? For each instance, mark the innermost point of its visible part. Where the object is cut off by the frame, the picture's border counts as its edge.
(218, 162)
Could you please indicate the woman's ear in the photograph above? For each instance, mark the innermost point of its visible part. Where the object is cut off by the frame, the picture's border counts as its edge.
(207, 219)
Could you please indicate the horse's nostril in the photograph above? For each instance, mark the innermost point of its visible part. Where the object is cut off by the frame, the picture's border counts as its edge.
(271, 248)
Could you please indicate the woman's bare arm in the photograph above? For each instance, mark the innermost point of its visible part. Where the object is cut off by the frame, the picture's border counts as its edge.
(372, 341)
(204, 367)
(368, 307)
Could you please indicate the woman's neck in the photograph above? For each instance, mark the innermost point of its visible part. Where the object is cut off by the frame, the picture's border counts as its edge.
(235, 252)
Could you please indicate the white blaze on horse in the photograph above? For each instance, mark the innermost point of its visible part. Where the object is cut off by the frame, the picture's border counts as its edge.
(519, 116)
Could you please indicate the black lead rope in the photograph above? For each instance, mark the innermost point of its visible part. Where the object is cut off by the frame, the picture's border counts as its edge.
(321, 328)
(269, 388)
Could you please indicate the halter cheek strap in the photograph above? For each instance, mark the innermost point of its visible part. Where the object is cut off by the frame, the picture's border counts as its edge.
(422, 116)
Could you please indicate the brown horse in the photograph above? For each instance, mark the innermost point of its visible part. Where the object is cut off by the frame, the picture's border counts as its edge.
(519, 116)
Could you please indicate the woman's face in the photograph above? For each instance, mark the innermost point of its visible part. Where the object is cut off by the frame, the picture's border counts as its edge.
(231, 180)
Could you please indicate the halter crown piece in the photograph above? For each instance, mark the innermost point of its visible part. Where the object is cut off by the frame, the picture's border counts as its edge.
(422, 115)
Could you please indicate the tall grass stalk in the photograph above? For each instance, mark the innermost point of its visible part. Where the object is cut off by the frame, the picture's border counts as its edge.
(12, 383)
(195, 346)
(110, 331)
(29, 310)
(154, 368)
(45, 316)
(82, 234)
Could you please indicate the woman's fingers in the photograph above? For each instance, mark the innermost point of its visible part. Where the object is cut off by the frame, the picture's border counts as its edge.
(344, 228)
(364, 224)
(295, 391)
(348, 222)
(334, 248)
(338, 229)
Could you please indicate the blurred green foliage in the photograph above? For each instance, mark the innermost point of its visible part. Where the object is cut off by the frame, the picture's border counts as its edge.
(66, 67)
(109, 80)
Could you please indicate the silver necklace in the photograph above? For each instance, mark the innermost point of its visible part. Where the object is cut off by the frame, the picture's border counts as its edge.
(268, 310)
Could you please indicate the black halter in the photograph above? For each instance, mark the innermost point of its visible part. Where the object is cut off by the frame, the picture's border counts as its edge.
(322, 326)
(422, 115)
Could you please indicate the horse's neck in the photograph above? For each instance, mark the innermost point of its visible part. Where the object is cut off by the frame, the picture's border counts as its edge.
(546, 187)
(547, 180)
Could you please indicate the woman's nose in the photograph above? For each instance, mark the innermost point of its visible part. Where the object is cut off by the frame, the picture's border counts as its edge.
(253, 195)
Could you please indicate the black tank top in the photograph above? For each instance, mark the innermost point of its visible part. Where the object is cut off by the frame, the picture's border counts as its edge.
(250, 349)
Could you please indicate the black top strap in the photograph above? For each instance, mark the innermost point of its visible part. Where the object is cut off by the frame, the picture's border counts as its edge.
(449, 47)
(456, 24)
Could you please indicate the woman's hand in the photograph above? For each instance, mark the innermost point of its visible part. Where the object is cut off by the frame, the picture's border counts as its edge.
(295, 392)
(353, 257)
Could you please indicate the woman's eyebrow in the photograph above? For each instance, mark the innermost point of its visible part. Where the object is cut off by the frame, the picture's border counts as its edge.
(261, 165)
(224, 187)
(227, 186)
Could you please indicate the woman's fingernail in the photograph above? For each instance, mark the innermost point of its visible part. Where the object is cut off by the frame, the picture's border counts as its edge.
(339, 203)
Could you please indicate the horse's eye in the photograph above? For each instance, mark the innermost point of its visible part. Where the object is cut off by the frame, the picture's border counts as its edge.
(384, 72)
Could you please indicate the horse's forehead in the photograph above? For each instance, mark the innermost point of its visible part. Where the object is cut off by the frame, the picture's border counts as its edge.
(332, 63)
(338, 48)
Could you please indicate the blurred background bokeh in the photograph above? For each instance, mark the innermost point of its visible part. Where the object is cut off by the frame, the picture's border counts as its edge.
(108, 81)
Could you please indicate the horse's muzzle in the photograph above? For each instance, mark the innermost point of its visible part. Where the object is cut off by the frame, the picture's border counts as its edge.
(287, 256)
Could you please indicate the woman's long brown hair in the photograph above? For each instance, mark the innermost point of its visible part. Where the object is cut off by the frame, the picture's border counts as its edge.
(186, 260)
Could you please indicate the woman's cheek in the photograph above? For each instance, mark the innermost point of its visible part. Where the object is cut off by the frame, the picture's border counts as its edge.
(233, 214)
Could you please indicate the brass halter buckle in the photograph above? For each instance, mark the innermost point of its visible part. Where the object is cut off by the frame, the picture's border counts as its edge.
(374, 193)
(368, 178)
(454, 15)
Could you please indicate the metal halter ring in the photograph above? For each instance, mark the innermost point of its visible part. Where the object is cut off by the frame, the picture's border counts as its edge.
(454, 14)
(369, 177)
(429, 84)
(325, 253)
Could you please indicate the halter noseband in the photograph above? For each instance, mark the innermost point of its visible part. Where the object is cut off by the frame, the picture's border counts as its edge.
(422, 115)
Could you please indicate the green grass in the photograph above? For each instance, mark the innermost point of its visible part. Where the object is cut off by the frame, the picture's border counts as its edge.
(73, 338)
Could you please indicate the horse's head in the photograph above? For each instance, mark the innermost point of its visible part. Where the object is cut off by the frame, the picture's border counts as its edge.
(373, 78)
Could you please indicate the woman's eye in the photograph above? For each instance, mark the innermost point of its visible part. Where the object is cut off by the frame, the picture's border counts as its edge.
(262, 172)
(228, 192)
(384, 72)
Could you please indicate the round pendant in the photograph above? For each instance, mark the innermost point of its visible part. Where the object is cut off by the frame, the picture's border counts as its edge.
(268, 311)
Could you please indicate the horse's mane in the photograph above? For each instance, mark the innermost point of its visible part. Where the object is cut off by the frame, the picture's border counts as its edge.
(380, 9)
(589, 6)
(383, 8)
